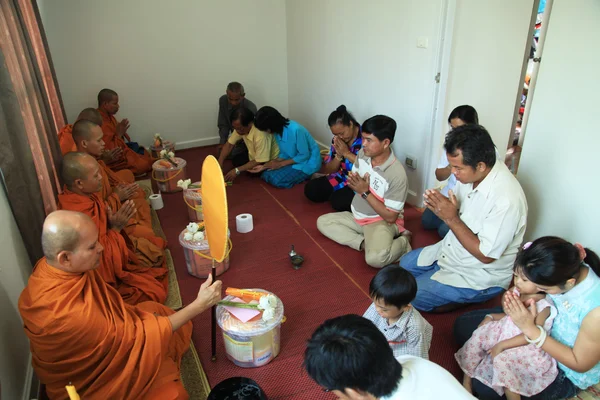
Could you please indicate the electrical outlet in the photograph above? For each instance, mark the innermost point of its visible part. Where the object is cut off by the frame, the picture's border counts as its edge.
(411, 162)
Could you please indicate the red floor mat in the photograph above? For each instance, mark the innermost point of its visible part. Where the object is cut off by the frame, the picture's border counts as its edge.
(333, 281)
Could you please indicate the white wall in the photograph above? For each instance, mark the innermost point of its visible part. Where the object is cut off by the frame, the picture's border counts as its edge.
(488, 48)
(168, 60)
(559, 162)
(364, 55)
(14, 272)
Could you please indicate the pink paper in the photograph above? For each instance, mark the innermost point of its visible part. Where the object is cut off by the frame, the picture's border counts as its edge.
(243, 314)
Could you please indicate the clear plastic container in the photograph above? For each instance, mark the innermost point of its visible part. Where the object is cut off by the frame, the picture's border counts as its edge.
(254, 343)
(167, 145)
(197, 265)
(193, 200)
(166, 178)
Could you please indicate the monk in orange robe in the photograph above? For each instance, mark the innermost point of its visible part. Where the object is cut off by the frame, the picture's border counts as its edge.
(67, 144)
(114, 132)
(82, 332)
(139, 275)
(87, 135)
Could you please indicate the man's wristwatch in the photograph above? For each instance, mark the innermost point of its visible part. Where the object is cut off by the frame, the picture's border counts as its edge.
(237, 171)
(365, 195)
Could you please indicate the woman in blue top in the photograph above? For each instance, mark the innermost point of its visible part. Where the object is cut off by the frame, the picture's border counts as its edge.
(299, 155)
(567, 274)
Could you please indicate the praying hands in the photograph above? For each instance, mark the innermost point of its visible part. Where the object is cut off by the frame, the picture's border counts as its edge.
(444, 208)
(341, 148)
(523, 316)
(122, 128)
(358, 184)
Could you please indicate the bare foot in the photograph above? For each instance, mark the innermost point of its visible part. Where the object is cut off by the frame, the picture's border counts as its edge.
(467, 383)
(408, 235)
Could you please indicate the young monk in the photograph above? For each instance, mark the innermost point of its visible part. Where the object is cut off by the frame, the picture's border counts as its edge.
(88, 138)
(82, 332)
(114, 132)
(67, 144)
(136, 278)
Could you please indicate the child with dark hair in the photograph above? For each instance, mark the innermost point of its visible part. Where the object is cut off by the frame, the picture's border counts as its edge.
(407, 332)
(495, 353)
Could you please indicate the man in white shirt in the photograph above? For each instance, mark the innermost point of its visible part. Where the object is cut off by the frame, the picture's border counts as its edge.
(487, 217)
(350, 357)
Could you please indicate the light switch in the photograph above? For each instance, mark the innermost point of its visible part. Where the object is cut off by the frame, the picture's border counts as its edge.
(411, 162)
(422, 42)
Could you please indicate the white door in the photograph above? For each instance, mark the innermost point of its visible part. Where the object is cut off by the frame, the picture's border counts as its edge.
(488, 47)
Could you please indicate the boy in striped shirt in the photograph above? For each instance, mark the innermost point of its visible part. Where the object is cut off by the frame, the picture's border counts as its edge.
(407, 332)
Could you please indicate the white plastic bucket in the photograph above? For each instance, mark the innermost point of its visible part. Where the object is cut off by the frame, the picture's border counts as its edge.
(254, 343)
(197, 265)
(193, 200)
(166, 178)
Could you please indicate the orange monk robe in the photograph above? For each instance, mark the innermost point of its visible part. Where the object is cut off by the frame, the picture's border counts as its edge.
(120, 267)
(81, 331)
(137, 163)
(65, 139)
(141, 224)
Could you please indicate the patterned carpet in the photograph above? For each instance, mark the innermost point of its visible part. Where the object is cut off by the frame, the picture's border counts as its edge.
(334, 275)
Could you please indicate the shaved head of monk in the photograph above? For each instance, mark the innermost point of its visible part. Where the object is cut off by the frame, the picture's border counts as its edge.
(108, 100)
(81, 173)
(70, 241)
(90, 114)
(87, 136)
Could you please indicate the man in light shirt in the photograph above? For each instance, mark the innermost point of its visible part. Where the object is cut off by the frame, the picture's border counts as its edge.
(261, 146)
(350, 357)
(487, 217)
(380, 184)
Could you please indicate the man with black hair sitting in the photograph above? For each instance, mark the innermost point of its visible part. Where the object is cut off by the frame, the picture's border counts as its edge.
(380, 184)
(350, 357)
(487, 217)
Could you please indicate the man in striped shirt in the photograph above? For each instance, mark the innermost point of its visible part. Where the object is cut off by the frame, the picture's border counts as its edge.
(376, 223)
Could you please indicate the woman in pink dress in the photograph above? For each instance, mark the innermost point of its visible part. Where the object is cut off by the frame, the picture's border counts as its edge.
(499, 355)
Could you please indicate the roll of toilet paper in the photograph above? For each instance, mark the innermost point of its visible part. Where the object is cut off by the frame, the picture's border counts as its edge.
(156, 201)
(243, 223)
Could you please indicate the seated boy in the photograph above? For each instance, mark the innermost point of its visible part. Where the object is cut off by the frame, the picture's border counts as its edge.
(407, 332)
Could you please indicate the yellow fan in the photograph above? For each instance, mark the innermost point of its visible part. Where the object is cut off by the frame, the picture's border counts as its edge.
(214, 204)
